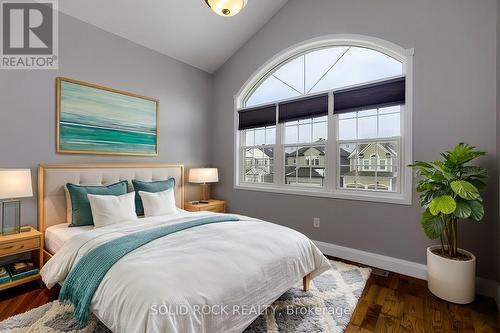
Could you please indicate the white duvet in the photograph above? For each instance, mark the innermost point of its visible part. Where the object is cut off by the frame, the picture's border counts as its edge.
(212, 278)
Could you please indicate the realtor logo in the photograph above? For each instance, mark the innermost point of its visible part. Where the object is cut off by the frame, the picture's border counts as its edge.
(29, 35)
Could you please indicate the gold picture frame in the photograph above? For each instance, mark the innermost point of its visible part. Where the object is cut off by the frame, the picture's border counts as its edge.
(98, 120)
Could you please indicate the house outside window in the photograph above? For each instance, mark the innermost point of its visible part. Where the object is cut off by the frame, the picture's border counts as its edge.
(304, 129)
(257, 152)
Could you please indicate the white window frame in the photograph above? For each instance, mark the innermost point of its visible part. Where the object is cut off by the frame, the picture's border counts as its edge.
(330, 190)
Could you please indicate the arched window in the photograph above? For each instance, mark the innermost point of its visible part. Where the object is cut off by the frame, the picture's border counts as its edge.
(322, 114)
(323, 69)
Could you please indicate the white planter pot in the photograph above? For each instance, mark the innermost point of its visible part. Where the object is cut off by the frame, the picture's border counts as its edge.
(451, 280)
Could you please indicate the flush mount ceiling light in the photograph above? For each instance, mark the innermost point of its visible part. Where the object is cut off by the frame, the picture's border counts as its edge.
(226, 7)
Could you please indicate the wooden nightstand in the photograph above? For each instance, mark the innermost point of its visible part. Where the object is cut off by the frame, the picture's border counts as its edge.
(217, 206)
(29, 241)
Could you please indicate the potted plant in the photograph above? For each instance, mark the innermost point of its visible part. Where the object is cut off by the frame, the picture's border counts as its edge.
(449, 192)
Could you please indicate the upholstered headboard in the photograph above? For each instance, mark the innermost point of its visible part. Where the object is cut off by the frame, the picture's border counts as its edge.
(52, 178)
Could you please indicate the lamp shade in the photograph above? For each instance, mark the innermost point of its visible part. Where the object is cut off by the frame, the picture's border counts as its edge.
(204, 175)
(15, 183)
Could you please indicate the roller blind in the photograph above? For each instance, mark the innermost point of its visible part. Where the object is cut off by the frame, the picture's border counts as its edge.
(257, 117)
(375, 95)
(315, 106)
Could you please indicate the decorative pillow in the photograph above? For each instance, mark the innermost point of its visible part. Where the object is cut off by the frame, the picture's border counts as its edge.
(159, 203)
(81, 213)
(110, 209)
(151, 187)
(69, 209)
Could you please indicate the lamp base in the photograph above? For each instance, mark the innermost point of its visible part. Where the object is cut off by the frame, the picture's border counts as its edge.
(205, 193)
(11, 217)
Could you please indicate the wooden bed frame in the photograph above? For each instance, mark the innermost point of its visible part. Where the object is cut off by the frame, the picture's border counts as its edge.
(79, 170)
(306, 281)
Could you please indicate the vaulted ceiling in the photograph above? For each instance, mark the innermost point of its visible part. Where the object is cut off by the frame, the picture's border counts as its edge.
(186, 30)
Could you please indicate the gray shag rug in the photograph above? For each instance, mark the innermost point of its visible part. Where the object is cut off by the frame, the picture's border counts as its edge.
(326, 307)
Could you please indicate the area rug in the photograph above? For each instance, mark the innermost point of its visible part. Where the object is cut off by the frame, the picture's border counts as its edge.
(326, 307)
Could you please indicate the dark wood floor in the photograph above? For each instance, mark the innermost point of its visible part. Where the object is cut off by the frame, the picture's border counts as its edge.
(399, 303)
(25, 297)
(396, 303)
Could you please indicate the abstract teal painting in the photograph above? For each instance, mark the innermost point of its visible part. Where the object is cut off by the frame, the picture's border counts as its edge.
(93, 119)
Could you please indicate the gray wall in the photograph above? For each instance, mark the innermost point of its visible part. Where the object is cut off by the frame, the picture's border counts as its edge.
(27, 108)
(454, 100)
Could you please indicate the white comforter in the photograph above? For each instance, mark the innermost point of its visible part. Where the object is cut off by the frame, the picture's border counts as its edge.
(226, 272)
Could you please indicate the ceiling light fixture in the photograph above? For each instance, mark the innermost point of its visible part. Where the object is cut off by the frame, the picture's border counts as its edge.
(226, 7)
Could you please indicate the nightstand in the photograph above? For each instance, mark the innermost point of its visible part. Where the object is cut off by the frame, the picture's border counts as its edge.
(29, 241)
(217, 206)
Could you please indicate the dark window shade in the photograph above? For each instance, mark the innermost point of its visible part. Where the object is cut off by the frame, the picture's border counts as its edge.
(374, 95)
(316, 106)
(257, 117)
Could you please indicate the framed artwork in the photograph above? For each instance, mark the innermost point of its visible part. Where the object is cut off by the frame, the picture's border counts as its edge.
(93, 119)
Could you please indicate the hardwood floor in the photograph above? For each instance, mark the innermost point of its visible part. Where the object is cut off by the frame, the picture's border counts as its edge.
(399, 303)
(25, 297)
(396, 303)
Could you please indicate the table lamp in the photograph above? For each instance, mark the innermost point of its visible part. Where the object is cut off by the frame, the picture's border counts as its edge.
(204, 176)
(14, 184)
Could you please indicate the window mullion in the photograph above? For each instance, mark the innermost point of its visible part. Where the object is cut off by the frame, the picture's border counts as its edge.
(331, 147)
(241, 157)
(400, 171)
(279, 151)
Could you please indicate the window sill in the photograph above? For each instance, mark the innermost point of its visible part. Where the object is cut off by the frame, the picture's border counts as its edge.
(392, 198)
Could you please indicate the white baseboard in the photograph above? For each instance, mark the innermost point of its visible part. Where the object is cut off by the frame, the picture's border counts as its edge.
(396, 265)
(485, 287)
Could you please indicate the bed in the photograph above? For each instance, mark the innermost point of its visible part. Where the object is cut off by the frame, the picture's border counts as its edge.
(212, 278)
(57, 235)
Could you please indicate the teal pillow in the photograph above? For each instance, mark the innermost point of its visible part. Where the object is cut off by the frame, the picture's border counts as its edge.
(80, 205)
(152, 187)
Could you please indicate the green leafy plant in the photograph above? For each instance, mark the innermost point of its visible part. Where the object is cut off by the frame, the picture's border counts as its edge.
(449, 191)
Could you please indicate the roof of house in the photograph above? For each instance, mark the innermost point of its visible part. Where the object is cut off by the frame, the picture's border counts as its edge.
(303, 172)
(389, 147)
(301, 151)
(267, 151)
(344, 153)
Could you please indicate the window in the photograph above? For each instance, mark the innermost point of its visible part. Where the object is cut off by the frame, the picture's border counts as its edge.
(370, 134)
(328, 120)
(305, 146)
(324, 69)
(382, 165)
(312, 160)
(257, 152)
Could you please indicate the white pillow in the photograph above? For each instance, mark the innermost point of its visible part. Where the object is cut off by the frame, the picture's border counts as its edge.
(110, 209)
(159, 203)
